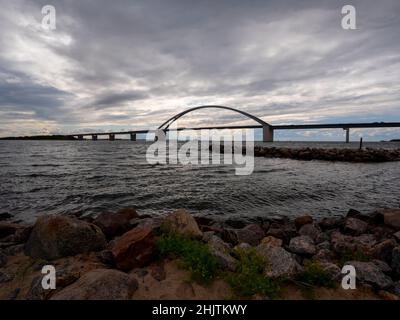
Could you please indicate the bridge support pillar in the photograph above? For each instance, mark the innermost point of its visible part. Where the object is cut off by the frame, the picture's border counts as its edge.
(268, 134)
(94, 137)
(133, 136)
(111, 137)
(347, 134)
(80, 137)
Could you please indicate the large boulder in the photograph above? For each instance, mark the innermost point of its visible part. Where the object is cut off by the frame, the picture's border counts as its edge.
(56, 236)
(182, 222)
(391, 217)
(134, 248)
(302, 245)
(279, 261)
(370, 273)
(272, 241)
(331, 223)
(355, 226)
(100, 284)
(115, 224)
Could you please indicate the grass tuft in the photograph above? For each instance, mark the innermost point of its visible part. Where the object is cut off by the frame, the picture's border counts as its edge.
(249, 277)
(195, 255)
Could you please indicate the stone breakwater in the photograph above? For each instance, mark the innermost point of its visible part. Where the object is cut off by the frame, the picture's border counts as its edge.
(114, 255)
(335, 154)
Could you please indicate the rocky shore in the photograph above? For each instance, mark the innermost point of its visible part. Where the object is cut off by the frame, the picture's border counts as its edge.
(124, 255)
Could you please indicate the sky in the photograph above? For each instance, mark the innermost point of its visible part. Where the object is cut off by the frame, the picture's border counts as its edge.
(126, 65)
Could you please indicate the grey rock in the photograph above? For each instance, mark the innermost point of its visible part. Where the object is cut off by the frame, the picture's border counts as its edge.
(331, 223)
(251, 234)
(36, 291)
(355, 226)
(312, 231)
(302, 245)
(396, 235)
(100, 284)
(56, 236)
(383, 250)
(382, 265)
(370, 273)
(279, 261)
(323, 255)
(220, 250)
(324, 245)
(331, 268)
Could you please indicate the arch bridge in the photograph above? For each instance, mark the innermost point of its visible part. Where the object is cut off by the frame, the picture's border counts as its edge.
(268, 129)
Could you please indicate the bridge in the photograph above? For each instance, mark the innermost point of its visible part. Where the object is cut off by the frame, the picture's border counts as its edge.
(267, 129)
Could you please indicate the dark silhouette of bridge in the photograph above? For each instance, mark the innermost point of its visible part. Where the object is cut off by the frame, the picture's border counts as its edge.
(268, 129)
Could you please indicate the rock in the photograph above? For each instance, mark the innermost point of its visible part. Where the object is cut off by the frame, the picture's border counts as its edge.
(5, 277)
(242, 246)
(220, 250)
(251, 234)
(22, 234)
(115, 224)
(284, 231)
(382, 265)
(355, 226)
(5, 216)
(100, 284)
(279, 261)
(324, 245)
(3, 259)
(134, 248)
(396, 235)
(396, 288)
(396, 260)
(391, 217)
(324, 255)
(331, 223)
(352, 213)
(57, 236)
(271, 241)
(7, 229)
(313, 232)
(340, 242)
(383, 250)
(332, 269)
(366, 241)
(303, 220)
(106, 257)
(369, 273)
(208, 235)
(14, 250)
(388, 296)
(36, 291)
(302, 245)
(182, 222)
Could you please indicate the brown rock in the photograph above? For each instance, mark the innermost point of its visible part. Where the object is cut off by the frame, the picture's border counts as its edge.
(388, 296)
(312, 231)
(271, 241)
(251, 234)
(303, 220)
(331, 223)
(391, 217)
(134, 248)
(182, 222)
(302, 245)
(115, 224)
(56, 236)
(100, 284)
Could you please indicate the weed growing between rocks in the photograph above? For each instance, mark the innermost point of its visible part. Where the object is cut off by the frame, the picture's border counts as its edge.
(314, 276)
(195, 255)
(249, 279)
(353, 255)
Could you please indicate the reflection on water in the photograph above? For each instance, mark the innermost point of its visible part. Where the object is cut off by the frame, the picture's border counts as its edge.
(88, 177)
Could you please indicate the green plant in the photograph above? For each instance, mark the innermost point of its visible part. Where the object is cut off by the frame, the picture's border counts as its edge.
(249, 279)
(195, 255)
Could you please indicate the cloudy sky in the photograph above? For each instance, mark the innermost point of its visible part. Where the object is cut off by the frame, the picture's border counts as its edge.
(132, 64)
